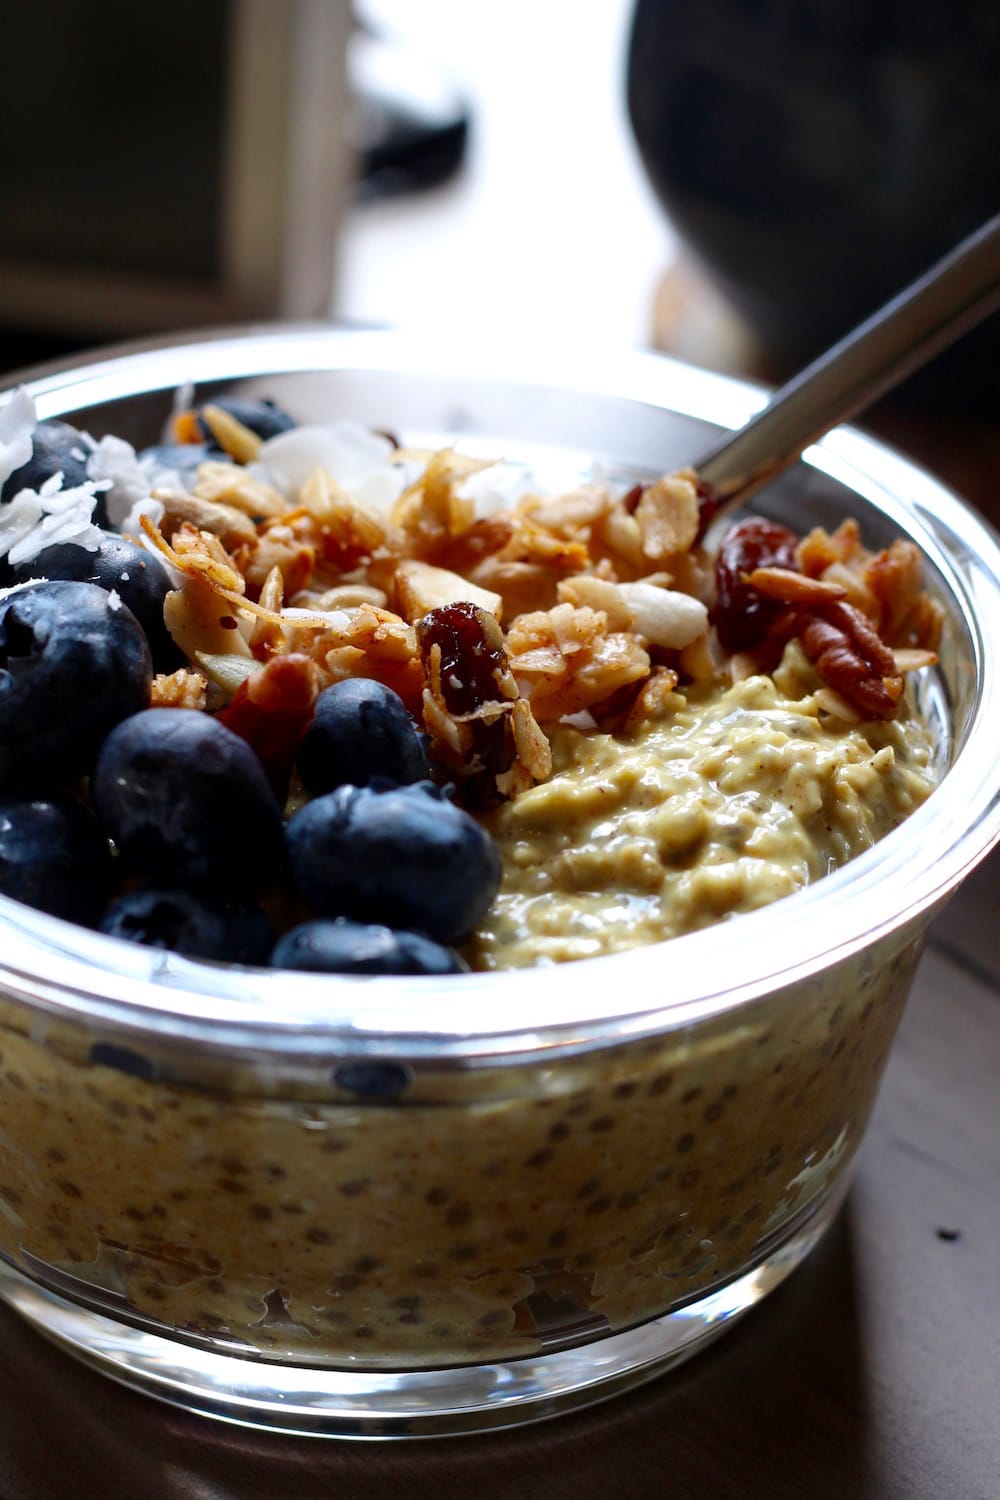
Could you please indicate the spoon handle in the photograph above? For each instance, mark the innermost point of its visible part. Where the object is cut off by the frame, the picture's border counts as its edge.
(949, 299)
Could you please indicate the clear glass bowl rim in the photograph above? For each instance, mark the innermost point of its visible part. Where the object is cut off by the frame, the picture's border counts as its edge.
(465, 1020)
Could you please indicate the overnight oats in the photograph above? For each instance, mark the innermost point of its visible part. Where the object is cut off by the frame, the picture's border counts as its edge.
(305, 699)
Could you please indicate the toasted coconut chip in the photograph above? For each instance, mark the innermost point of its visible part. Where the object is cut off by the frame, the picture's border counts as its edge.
(442, 727)
(266, 638)
(821, 549)
(534, 753)
(911, 659)
(594, 663)
(280, 546)
(434, 506)
(344, 518)
(856, 591)
(579, 507)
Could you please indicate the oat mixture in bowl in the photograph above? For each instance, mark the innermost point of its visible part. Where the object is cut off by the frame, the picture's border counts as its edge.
(408, 1194)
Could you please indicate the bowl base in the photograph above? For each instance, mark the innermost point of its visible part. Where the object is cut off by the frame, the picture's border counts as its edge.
(328, 1402)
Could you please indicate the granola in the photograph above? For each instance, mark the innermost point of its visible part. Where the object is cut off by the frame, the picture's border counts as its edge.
(598, 594)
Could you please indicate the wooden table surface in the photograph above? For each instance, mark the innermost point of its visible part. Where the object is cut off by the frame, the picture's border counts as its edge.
(874, 1372)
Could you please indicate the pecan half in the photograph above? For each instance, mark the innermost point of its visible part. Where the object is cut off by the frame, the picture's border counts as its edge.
(851, 658)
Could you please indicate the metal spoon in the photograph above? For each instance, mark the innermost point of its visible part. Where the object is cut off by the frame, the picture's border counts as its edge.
(949, 299)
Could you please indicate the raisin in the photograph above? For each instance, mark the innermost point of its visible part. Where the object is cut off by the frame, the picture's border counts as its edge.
(473, 671)
(473, 659)
(742, 615)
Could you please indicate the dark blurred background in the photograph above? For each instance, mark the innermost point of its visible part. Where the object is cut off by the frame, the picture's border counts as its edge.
(735, 181)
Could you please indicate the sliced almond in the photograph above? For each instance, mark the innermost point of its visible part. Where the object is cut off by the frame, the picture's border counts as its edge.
(238, 441)
(421, 588)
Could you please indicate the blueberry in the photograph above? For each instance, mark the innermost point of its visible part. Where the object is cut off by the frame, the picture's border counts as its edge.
(54, 449)
(341, 947)
(123, 1060)
(403, 856)
(184, 458)
(73, 663)
(360, 730)
(53, 857)
(262, 417)
(137, 577)
(373, 1080)
(186, 800)
(182, 922)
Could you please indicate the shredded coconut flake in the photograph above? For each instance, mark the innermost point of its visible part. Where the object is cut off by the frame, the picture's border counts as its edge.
(36, 519)
(115, 467)
(17, 423)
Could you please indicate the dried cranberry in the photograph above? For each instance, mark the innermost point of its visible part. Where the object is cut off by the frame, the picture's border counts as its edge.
(741, 614)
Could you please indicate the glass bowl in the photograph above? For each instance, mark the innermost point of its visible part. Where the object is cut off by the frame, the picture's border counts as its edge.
(403, 1206)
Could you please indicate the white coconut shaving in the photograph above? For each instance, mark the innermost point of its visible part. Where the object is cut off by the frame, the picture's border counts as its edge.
(18, 420)
(114, 464)
(497, 487)
(36, 519)
(351, 454)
